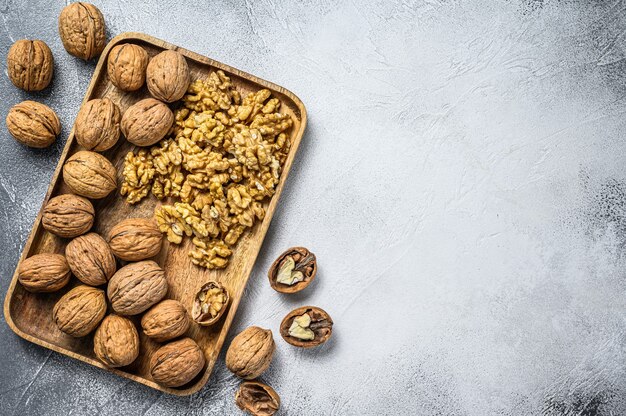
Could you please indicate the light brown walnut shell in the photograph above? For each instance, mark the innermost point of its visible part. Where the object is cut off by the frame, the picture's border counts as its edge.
(126, 66)
(97, 124)
(90, 259)
(215, 308)
(165, 320)
(296, 261)
(257, 398)
(135, 239)
(30, 64)
(146, 122)
(320, 326)
(80, 310)
(136, 287)
(116, 342)
(33, 124)
(89, 174)
(68, 215)
(177, 363)
(250, 353)
(44, 272)
(82, 30)
(167, 76)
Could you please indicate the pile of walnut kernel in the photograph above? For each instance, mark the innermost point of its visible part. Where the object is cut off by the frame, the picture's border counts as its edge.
(221, 161)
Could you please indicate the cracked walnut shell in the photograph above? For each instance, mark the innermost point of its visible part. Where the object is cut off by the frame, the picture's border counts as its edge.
(44, 272)
(68, 215)
(165, 320)
(116, 342)
(80, 310)
(210, 304)
(33, 124)
(177, 363)
(250, 353)
(81, 28)
(89, 174)
(146, 122)
(306, 327)
(126, 66)
(167, 76)
(97, 125)
(30, 64)
(136, 287)
(135, 239)
(257, 398)
(91, 260)
(293, 270)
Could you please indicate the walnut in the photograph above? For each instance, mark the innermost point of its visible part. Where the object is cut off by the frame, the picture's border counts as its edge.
(126, 66)
(165, 320)
(167, 76)
(97, 124)
(116, 341)
(80, 310)
(33, 124)
(306, 327)
(177, 363)
(68, 215)
(82, 30)
(30, 65)
(146, 122)
(44, 273)
(138, 173)
(293, 270)
(91, 260)
(210, 303)
(257, 398)
(250, 353)
(89, 174)
(136, 287)
(135, 239)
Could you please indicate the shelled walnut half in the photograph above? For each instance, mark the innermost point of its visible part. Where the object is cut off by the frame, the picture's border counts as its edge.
(210, 304)
(293, 270)
(306, 327)
(257, 398)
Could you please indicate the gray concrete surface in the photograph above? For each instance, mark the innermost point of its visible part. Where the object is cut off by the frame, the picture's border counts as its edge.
(461, 180)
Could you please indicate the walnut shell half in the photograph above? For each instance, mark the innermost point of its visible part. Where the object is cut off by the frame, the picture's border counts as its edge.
(33, 124)
(177, 363)
(97, 124)
(81, 27)
(306, 327)
(90, 259)
(167, 76)
(116, 342)
(136, 287)
(44, 272)
(257, 398)
(126, 66)
(135, 239)
(68, 215)
(30, 65)
(293, 270)
(80, 310)
(146, 122)
(210, 303)
(250, 353)
(165, 320)
(90, 174)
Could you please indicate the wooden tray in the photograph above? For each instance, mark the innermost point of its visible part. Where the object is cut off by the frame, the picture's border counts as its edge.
(30, 315)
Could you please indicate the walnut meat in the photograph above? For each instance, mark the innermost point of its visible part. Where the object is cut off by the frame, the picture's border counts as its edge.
(89, 174)
(33, 124)
(97, 124)
(210, 303)
(293, 270)
(80, 310)
(68, 215)
(116, 342)
(90, 259)
(257, 398)
(165, 320)
(135, 239)
(146, 122)
(306, 327)
(167, 76)
(82, 30)
(250, 353)
(126, 66)
(44, 273)
(136, 287)
(30, 64)
(177, 363)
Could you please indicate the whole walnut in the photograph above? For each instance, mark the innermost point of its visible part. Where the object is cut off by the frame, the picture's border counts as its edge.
(167, 76)
(97, 124)
(68, 215)
(177, 363)
(44, 272)
(80, 310)
(90, 259)
(136, 287)
(135, 239)
(81, 27)
(33, 124)
(165, 320)
(126, 66)
(116, 342)
(89, 174)
(146, 122)
(250, 353)
(30, 64)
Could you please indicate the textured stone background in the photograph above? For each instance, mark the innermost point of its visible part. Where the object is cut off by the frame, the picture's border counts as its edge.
(461, 180)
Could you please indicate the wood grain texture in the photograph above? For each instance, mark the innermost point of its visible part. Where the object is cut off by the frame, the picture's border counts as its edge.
(30, 315)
